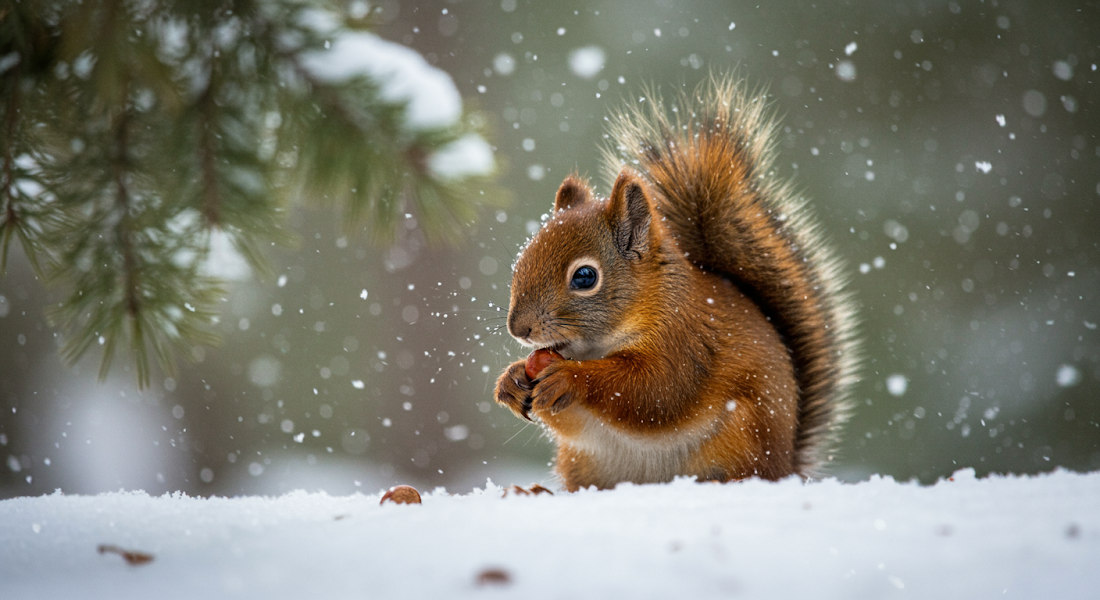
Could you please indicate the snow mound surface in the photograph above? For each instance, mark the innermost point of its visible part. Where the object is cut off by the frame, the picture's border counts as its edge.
(1005, 537)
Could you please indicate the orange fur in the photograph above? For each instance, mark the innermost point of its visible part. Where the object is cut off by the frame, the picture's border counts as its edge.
(716, 341)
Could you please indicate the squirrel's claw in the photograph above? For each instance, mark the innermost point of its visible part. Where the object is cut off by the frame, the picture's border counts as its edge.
(556, 388)
(551, 393)
(513, 390)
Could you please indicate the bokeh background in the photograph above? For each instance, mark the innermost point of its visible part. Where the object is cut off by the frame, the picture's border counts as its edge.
(951, 150)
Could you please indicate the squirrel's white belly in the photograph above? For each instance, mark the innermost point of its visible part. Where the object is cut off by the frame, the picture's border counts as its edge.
(641, 458)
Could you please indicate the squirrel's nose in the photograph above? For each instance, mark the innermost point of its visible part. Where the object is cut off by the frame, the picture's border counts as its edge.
(516, 328)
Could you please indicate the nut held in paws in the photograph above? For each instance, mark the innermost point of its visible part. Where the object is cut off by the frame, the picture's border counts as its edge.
(539, 360)
(401, 494)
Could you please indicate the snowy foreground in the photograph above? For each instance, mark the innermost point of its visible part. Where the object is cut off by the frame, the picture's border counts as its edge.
(1018, 537)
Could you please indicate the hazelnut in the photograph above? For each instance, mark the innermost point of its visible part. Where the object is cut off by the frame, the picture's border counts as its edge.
(539, 360)
(401, 494)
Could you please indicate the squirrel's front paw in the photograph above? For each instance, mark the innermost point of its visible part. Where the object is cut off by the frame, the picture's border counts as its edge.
(558, 386)
(514, 389)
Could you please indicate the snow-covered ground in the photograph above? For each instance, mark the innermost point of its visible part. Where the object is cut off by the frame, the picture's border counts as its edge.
(1004, 537)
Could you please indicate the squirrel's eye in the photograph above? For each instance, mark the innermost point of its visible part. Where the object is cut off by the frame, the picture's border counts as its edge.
(583, 278)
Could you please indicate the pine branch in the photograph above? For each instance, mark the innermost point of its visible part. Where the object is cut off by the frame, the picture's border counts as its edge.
(126, 260)
(134, 130)
(21, 215)
(378, 170)
(119, 164)
(211, 204)
(11, 217)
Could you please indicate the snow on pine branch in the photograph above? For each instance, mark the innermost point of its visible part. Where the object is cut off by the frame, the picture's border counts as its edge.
(431, 99)
(404, 76)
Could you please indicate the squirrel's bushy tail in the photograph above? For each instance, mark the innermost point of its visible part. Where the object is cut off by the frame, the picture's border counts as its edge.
(709, 158)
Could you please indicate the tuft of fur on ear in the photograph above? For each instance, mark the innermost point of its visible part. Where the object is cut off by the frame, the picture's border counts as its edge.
(573, 191)
(629, 214)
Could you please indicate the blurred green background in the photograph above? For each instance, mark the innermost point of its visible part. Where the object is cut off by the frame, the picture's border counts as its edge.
(951, 152)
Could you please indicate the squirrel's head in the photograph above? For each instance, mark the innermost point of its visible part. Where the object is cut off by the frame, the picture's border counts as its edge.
(575, 285)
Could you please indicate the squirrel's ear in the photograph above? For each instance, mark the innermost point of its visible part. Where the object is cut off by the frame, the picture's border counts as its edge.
(573, 191)
(629, 215)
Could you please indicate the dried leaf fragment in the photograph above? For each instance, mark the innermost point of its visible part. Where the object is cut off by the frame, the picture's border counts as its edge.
(534, 490)
(494, 576)
(131, 557)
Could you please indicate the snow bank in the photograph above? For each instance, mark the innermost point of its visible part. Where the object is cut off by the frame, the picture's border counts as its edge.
(1022, 537)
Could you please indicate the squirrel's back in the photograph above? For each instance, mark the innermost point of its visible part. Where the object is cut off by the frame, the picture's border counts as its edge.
(708, 157)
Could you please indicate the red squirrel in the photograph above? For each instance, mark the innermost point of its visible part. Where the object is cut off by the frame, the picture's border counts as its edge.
(699, 320)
